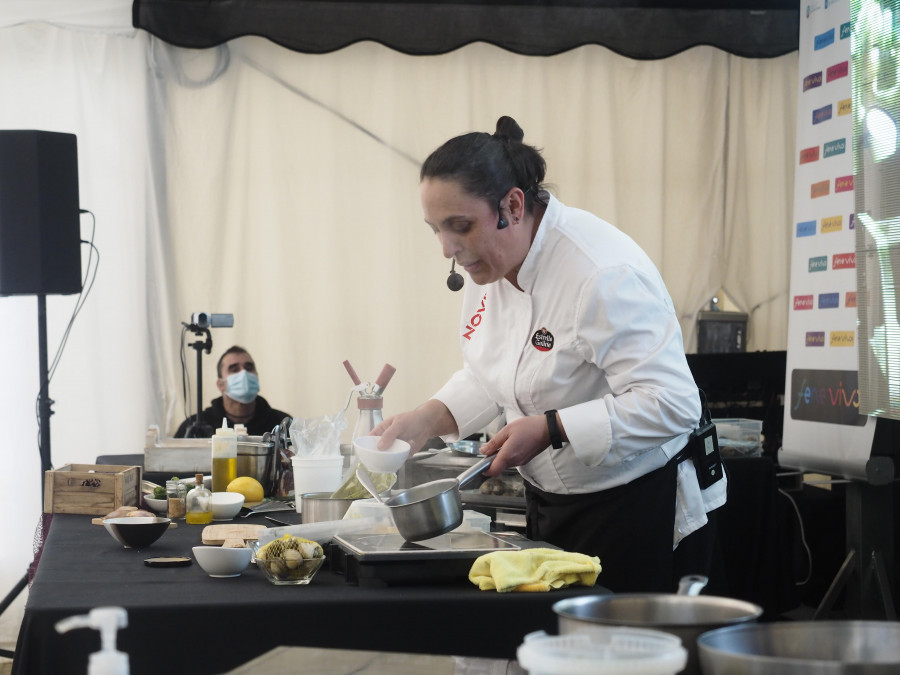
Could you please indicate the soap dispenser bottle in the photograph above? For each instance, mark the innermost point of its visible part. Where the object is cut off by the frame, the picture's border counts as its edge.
(108, 620)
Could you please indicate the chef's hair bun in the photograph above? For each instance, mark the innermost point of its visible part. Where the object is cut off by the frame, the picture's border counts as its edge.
(507, 127)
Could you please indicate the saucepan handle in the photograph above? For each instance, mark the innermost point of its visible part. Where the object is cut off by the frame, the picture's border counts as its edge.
(474, 470)
(692, 584)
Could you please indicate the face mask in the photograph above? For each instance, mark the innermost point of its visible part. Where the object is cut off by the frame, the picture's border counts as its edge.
(242, 386)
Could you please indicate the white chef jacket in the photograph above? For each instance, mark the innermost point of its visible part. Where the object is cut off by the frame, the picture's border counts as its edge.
(615, 370)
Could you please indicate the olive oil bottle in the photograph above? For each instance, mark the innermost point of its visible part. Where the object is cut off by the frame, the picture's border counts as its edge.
(198, 504)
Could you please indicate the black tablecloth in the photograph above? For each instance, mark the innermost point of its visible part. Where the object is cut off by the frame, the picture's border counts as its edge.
(178, 616)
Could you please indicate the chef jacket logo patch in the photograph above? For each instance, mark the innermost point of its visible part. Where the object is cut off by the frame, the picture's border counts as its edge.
(542, 340)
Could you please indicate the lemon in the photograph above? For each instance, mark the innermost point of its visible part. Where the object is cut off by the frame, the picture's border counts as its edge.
(247, 486)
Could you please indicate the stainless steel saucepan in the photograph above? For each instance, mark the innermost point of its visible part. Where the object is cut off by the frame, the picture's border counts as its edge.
(430, 509)
(686, 614)
(803, 648)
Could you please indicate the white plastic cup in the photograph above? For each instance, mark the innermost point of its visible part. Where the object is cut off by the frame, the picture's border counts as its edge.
(316, 474)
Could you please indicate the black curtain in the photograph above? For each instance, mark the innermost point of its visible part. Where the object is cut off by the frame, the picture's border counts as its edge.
(637, 29)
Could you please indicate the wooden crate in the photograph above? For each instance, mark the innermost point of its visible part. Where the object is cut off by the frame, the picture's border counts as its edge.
(91, 489)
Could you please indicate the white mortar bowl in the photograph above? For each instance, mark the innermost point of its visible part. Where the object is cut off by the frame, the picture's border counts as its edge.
(388, 460)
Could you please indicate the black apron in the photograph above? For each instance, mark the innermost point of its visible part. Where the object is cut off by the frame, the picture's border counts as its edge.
(629, 527)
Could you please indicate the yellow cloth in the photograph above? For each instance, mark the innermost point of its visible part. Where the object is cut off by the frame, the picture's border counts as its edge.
(533, 569)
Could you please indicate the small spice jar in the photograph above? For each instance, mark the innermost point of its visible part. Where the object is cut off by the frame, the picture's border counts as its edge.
(175, 493)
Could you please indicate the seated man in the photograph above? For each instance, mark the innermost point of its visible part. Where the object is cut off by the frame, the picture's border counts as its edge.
(240, 401)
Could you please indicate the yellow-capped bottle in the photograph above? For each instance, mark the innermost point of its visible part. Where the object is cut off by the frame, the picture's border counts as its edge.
(224, 457)
(198, 503)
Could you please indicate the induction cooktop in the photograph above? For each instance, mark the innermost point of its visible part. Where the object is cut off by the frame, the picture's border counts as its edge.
(391, 546)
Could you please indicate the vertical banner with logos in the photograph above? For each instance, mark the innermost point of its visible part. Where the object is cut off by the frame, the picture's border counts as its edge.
(823, 430)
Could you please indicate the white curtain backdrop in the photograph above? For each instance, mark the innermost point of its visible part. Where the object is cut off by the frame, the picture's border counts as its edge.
(282, 188)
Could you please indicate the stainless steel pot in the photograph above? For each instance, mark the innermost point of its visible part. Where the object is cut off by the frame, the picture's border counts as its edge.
(685, 616)
(803, 648)
(434, 508)
(319, 507)
(256, 458)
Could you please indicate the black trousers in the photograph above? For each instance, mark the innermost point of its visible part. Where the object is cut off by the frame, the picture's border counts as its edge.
(628, 527)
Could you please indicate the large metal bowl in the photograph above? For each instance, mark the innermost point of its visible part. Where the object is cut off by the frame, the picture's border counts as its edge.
(803, 648)
(685, 616)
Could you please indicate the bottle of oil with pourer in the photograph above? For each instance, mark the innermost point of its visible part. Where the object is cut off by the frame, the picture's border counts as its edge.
(224, 457)
(198, 504)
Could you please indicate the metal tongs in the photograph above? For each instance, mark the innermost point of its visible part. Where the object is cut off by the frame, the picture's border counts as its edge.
(281, 436)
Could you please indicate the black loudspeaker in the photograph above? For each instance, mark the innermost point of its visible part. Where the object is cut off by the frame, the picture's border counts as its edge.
(40, 229)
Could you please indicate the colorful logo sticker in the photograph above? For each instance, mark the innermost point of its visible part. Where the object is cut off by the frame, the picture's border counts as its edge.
(832, 224)
(842, 338)
(812, 81)
(822, 114)
(837, 71)
(809, 154)
(818, 263)
(829, 300)
(843, 183)
(815, 339)
(843, 261)
(823, 40)
(803, 302)
(850, 299)
(837, 147)
(806, 229)
(820, 189)
(845, 107)
(542, 340)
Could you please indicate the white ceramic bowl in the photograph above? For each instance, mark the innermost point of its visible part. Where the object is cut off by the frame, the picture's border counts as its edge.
(226, 505)
(381, 461)
(221, 562)
(157, 505)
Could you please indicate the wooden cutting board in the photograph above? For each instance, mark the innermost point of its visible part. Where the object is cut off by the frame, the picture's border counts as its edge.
(230, 535)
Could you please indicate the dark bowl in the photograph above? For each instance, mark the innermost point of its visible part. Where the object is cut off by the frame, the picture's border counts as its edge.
(138, 532)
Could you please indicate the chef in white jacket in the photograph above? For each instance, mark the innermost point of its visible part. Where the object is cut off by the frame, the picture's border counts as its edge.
(569, 330)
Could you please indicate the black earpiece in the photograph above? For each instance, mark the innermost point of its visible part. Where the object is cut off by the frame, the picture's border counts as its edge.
(502, 223)
(455, 281)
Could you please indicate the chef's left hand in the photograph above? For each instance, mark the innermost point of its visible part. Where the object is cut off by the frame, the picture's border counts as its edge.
(517, 443)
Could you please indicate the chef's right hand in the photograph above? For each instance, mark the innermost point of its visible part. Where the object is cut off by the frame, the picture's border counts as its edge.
(416, 427)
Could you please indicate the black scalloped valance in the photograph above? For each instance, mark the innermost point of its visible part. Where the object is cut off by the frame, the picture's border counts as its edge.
(636, 29)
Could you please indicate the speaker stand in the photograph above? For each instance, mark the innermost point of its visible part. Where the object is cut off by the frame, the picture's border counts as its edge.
(44, 402)
(44, 410)
(866, 571)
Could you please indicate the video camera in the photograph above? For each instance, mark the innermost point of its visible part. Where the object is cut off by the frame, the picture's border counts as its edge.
(208, 320)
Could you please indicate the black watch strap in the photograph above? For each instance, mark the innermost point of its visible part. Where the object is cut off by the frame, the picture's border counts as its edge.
(553, 427)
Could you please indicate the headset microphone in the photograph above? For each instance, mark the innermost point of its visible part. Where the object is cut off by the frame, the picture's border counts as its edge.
(455, 281)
